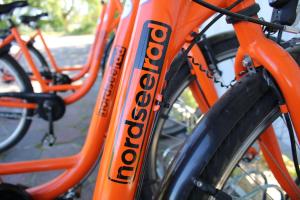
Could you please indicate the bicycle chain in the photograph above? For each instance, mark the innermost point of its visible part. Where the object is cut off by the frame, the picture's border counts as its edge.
(211, 74)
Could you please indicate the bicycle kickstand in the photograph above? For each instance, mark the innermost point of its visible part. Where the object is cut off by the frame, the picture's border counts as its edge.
(49, 137)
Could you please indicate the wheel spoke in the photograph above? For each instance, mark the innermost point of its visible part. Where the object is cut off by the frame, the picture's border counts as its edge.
(259, 187)
(10, 115)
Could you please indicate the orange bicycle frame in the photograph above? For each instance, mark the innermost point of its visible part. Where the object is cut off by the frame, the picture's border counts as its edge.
(127, 139)
(85, 67)
(156, 38)
(104, 28)
(77, 166)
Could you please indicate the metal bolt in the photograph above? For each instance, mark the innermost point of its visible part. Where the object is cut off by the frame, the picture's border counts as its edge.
(199, 184)
(247, 62)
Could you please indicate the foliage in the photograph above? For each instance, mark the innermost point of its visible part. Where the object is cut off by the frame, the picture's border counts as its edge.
(69, 16)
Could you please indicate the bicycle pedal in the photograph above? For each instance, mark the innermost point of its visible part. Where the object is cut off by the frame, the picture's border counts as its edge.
(48, 140)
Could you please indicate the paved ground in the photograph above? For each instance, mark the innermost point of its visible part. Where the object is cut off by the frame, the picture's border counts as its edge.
(70, 131)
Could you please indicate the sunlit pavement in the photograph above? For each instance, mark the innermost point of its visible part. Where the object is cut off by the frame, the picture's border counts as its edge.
(70, 131)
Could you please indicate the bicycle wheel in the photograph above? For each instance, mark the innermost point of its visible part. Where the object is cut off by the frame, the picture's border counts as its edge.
(38, 59)
(251, 107)
(178, 120)
(166, 144)
(14, 122)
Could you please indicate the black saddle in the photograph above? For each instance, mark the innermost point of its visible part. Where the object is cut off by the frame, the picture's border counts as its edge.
(8, 8)
(26, 19)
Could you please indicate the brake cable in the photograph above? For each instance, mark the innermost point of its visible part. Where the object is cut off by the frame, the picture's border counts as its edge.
(213, 21)
(293, 143)
(210, 74)
(179, 60)
(246, 18)
(227, 12)
(279, 27)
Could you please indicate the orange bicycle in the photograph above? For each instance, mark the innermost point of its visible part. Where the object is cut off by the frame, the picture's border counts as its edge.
(17, 88)
(94, 58)
(40, 60)
(140, 97)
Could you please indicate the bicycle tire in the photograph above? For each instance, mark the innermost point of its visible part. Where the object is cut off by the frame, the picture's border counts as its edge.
(39, 60)
(222, 46)
(250, 107)
(27, 87)
(42, 60)
(106, 53)
(242, 133)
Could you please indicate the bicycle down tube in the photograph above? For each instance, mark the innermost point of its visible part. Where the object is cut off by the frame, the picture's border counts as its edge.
(160, 35)
(77, 166)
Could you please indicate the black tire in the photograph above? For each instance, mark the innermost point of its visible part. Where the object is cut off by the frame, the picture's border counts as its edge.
(223, 46)
(106, 53)
(214, 147)
(250, 114)
(43, 65)
(27, 114)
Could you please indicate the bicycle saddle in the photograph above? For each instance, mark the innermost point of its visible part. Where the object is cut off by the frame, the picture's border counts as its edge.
(7, 8)
(26, 19)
